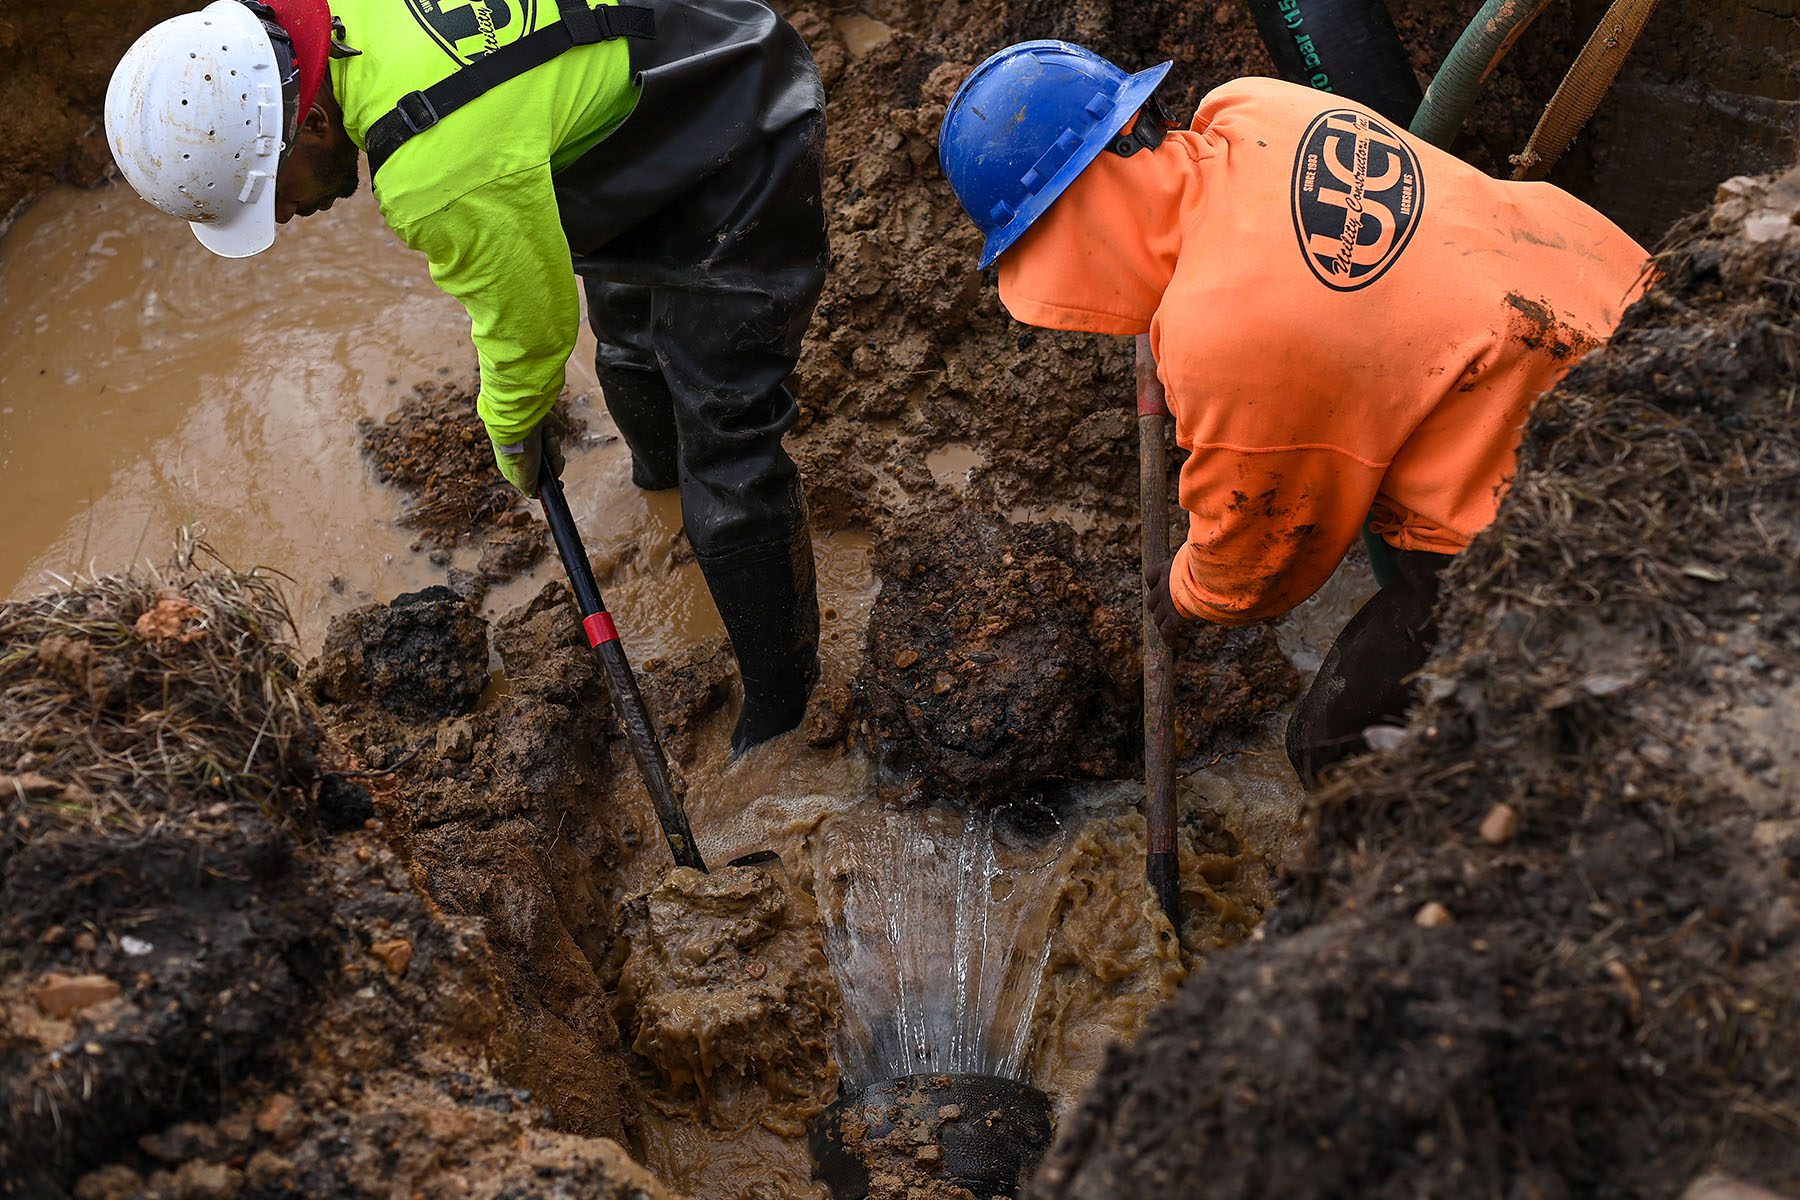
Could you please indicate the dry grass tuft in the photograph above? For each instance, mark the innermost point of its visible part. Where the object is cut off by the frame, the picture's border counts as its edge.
(125, 695)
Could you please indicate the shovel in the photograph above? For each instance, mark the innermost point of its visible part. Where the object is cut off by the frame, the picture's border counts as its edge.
(1162, 862)
(627, 701)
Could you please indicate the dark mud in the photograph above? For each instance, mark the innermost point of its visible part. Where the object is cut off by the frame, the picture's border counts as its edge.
(217, 978)
(1003, 660)
(938, 1137)
(1548, 945)
(423, 656)
(435, 450)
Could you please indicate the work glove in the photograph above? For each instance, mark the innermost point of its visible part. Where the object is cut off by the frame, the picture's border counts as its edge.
(521, 461)
(1174, 626)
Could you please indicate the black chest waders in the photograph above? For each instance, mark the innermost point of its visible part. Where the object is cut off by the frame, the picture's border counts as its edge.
(698, 228)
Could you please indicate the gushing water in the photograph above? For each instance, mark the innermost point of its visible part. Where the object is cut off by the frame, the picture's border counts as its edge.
(935, 929)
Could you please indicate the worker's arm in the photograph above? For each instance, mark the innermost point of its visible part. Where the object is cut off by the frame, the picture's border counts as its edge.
(1267, 527)
(500, 250)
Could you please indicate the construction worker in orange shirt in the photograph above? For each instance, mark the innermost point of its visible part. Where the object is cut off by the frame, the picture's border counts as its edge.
(1351, 326)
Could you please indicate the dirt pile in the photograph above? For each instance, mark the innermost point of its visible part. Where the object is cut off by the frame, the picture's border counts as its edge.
(1547, 945)
(145, 860)
(218, 978)
(434, 449)
(1003, 659)
(492, 808)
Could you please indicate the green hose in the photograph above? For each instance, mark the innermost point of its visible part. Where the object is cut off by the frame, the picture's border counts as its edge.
(1477, 52)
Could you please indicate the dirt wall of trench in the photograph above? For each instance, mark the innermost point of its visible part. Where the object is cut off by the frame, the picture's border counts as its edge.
(55, 60)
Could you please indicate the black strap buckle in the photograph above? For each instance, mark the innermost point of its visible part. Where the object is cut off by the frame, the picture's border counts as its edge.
(582, 21)
(416, 111)
(1153, 124)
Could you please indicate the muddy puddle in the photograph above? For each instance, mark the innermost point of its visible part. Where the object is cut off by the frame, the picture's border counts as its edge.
(149, 386)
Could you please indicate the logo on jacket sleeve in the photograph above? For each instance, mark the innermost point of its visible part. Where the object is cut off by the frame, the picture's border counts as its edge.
(468, 29)
(1357, 195)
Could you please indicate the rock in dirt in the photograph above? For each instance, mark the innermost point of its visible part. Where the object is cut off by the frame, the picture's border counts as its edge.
(114, 1182)
(1498, 827)
(422, 656)
(1433, 916)
(281, 1118)
(62, 996)
(393, 953)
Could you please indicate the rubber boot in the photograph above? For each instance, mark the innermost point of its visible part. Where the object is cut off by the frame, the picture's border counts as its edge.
(640, 406)
(769, 600)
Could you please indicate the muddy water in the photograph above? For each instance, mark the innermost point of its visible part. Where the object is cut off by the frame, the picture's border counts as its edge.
(147, 385)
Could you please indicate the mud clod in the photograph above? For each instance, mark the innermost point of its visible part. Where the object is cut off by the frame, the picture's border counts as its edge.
(723, 989)
(423, 656)
(1003, 657)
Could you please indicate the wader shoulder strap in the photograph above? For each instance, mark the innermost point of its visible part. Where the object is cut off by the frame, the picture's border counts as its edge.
(580, 26)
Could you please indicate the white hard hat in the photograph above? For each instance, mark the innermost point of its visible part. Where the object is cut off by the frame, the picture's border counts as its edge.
(194, 117)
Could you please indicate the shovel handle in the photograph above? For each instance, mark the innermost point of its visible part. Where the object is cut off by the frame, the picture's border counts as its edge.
(1162, 861)
(621, 684)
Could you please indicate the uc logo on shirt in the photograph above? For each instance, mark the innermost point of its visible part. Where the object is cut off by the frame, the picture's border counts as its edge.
(1357, 195)
(468, 29)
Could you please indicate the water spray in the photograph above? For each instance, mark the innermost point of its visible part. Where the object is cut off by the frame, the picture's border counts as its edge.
(936, 929)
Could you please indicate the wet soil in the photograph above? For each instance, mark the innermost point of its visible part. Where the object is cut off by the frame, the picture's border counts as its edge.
(219, 983)
(430, 449)
(1547, 945)
(1005, 659)
(722, 989)
(935, 1137)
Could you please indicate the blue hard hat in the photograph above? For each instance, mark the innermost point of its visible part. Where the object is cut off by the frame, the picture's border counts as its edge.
(1025, 123)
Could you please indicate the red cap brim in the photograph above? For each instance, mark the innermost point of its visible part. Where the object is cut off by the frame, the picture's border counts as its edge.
(308, 23)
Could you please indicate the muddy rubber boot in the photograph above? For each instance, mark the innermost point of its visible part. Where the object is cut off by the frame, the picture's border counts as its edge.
(640, 406)
(769, 599)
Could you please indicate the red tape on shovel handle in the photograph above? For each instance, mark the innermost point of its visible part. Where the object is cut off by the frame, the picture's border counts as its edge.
(600, 629)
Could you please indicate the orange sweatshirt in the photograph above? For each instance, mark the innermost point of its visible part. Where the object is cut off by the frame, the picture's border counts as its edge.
(1345, 318)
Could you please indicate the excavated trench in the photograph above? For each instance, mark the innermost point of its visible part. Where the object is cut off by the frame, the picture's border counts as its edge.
(444, 954)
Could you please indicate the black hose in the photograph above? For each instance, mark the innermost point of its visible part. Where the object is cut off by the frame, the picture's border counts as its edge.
(1347, 47)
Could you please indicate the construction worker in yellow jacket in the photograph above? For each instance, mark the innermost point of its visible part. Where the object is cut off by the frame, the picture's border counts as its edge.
(665, 153)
